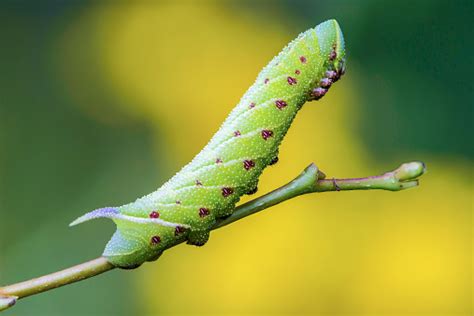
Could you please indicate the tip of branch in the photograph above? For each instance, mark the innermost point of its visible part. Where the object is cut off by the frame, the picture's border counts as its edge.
(408, 173)
(410, 170)
(7, 302)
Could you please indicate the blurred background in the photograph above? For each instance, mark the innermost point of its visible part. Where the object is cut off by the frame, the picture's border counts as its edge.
(101, 102)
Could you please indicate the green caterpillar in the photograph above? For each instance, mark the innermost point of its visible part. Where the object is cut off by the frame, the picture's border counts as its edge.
(187, 206)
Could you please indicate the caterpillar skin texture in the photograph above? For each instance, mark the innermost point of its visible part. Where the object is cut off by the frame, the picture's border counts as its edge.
(187, 206)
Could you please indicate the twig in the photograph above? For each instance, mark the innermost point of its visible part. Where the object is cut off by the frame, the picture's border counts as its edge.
(311, 180)
(9, 294)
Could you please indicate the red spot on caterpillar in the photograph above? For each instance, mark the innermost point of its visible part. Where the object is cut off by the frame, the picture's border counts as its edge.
(266, 80)
(332, 55)
(155, 240)
(297, 72)
(252, 105)
(154, 214)
(303, 59)
(249, 164)
(227, 191)
(218, 160)
(318, 93)
(331, 74)
(273, 161)
(325, 82)
(291, 80)
(203, 212)
(280, 104)
(266, 133)
(198, 183)
(179, 230)
(237, 133)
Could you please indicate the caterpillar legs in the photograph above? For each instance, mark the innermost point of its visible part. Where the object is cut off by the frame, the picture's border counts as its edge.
(198, 237)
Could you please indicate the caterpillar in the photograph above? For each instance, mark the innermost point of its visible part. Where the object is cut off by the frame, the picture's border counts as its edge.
(208, 188)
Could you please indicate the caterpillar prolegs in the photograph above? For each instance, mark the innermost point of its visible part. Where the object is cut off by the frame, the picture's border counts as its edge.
(186, 207)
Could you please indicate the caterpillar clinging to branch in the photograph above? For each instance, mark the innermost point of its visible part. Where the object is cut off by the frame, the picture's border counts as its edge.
(186, 207)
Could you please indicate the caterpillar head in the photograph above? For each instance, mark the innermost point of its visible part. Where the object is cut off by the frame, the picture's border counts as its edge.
(331, 45)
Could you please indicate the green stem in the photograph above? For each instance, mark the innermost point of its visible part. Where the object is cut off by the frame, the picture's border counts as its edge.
(9, 294)
(311, 180)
